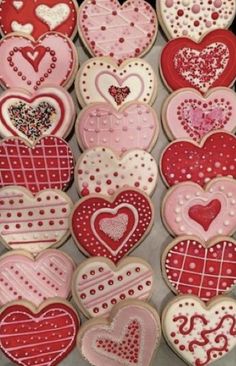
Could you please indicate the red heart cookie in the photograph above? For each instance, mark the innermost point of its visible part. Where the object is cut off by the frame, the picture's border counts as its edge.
(215, 156)
(112, 228)
(30, 64)
(42, 336)
(203, 65)
(38, 17)
(49, 164)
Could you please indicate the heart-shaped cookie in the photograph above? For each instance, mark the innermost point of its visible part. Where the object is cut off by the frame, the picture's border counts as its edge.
(48, 164)
(192, 19)
(202, 269)
(184, 160)
(134, 126)
(30, 64)
(189, 209)
(110, 239)
(122, 31)
(35, 279)
(186, 113)
(199, 333)
(48, 111)
(203, 65)
(43, 15)
(32, 336)
(100, 170)
(132, 325)
(101, 80)
(98, 284)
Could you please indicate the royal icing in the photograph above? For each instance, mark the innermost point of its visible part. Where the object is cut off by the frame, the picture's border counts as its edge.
(48, 111)
(35, 279)
(38, 17)
(188, 114)
(119, 31)
(112, 228)
(100, 170)
(200, 334)
(38, 337)
(135, 126)
(48, 164)
(132, 326)
(101, 80)
(189, 209)
(201, 66)
(98, 285)
(193, 19)
(30, 64)
(184, 160)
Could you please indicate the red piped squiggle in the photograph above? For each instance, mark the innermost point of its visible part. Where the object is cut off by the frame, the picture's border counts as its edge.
(185, 321)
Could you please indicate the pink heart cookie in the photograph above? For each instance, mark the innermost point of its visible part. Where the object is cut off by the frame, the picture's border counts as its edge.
(35, 279)
(98, 284)
(189, 209)
(122, 31)
(186, 113)
(132, 325)
(199, 333)
(134, 126)
(48, 111)
(30, 64)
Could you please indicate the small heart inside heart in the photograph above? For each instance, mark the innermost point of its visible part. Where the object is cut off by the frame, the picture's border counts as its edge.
(119, 94)
(33, 55)
(115, 226)
(205, 215)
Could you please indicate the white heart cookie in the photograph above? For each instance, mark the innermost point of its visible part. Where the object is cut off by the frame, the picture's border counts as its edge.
(53, 16)
(24, 28)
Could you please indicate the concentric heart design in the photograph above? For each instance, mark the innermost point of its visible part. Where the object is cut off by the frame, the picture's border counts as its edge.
(30, 336)
(91, 237)
(215, 156)
(134, 126)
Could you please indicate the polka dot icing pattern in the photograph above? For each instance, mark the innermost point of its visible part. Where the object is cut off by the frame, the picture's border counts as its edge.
(98, 285)
(200, 334)
(99, 170)
(134, 126)
(193, 19)
(112, 228)
(38, 17)
(101, 80)
(183, 160)
(132, 325)
(122, 32)
(203, 65)
(30, 64)
(45, 336)
(23, 277)
(189, 209)
(49, 164)
(192, 268)
(188, 114)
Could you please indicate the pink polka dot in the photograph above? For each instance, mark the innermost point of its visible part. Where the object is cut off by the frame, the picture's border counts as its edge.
(196, 9)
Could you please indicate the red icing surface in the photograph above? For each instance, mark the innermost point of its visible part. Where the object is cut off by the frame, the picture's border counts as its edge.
(204, 215)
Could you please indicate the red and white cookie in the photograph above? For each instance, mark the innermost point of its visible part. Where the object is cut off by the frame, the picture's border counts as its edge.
(204, 269)
(130, 336)
(101, 170)
(134, 126)
(200, 334)
(28, 63)
(48, 111)
(189, 209)
(31, 336)
(186, 113)
(101, 80)
(34, 223)
(108, 28)
(203, 65)
(98, 284)
(184, 160)
(193, 19)
(112, 227)
(35, 279)
(48, 164)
